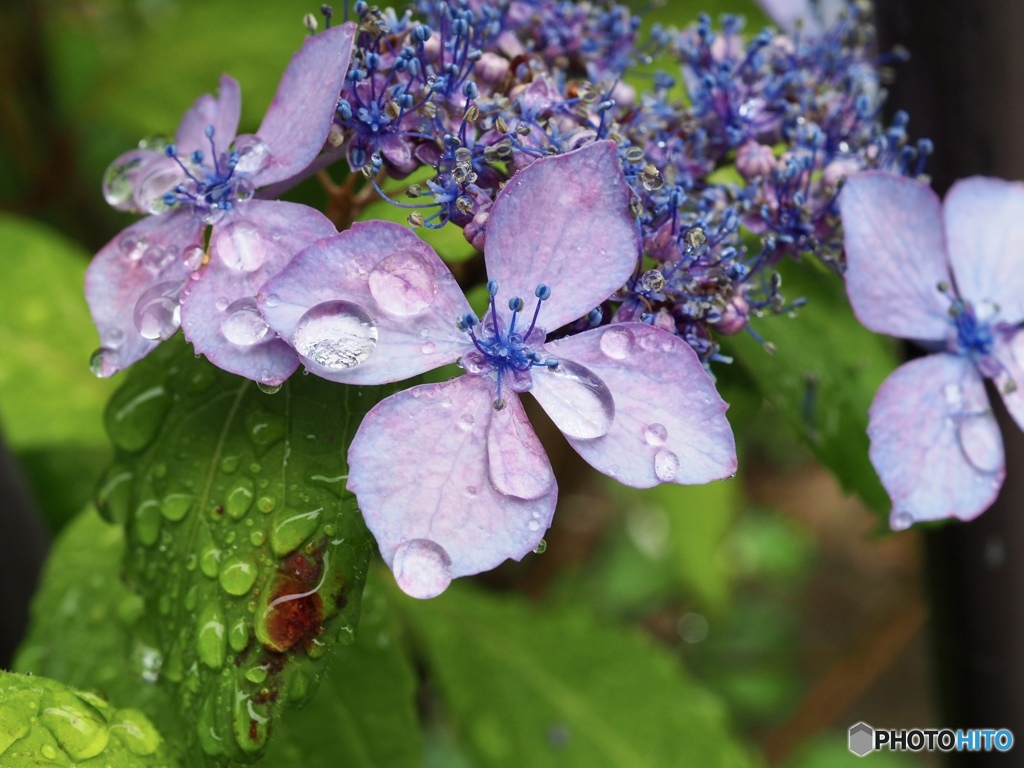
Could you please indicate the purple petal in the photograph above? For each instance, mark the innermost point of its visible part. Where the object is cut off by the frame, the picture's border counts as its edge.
(222, 113)
(564, 221)
(934, 441)
(409, 305)
(219, 313)
(132, 286)
(812, 17)
(895, 255)
(422, 474)
(299, 118)
(985, 230)
(517, 463)
(1009, 352)
(670, 423)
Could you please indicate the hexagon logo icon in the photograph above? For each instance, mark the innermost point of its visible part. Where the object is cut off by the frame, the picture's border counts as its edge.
(862, 739)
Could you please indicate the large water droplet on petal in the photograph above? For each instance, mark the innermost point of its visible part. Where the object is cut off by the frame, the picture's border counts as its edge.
(253, 154)
(422, 568)
(575, 398)
(666, 466)
(119, 181)
(156, 257)
(242, 245)
(132, 246)
(192, 257)
(980, 441)
(243, 323)
(403, 283)
(335, 335)
(160, 178)
(104, 362)
(617, 342)
(158, 311)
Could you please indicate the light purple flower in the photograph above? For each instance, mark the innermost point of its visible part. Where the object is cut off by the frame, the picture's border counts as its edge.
(949, 277)
(157, 274)
(450, 477)
(812, 16)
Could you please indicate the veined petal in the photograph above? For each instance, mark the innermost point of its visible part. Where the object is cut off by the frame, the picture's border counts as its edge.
(219, 313)
(221, 112)
(422, 474)
(1010, 354)
(895, 255)
(516, 460)
(564, 221)
(299, 118)
(398, 282)
(144, 259)
(985, 230)
(934, 441)
(669, 424)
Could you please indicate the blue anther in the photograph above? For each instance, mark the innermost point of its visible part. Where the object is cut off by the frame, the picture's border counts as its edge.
(492, 287)
(543, 292)
(515, 304)
(469, 90)
(171, 150)
(208, 130)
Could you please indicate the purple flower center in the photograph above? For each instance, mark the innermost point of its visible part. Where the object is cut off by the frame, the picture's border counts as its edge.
(212, 190)
(507, 351)
(976, 334)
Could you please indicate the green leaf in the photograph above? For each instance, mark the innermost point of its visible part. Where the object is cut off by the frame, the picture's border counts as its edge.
(63, 478)
(83, 628)
(366, 703)
(47, 393)
(823, 376)
(538, 688)
(249, 553)
(43, 722)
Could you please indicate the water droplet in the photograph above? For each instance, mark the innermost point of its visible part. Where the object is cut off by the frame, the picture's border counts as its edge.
(253, 154)
(114, 493)
(112, 338)
(471, 491)
(221, 304)
(243, 323)
(119, 181)
(422, 568)
(533, 525)
(466, 422)
(211, 637)
(229, 464)
(257, 538)
(77, 726)
(242, 246)
(156, 257)
(147, 522)
(954, 397)
(238, 635)
(541, 548)
(256, 674)
(176, 505)
(161, 177)
(133, 418)
(265, 504)
(272, 300)
(576, 399)
(900, 521)
(48, 752)
(290, 531)
(239, 498)
(666, 466)
(269, 389)
(264, 429)
(429, 348)
(655, 434)
(403, 283)
(335, 335)
(192, 257)
(133, 729)
(104, 362)
(981, 442)
(158, 311)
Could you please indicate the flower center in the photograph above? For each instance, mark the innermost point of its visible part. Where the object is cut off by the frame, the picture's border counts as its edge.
(976, 334)
(507, 351)
(212, 190)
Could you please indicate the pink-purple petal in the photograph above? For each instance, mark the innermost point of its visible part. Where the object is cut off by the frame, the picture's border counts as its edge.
(670, 423)
(297, 121)
(406, 290)
(895, 255)
(219, 313)
(1009, 353)
(985, 233)
(934, 441)
(146, 255)
(419, 469)
(516, 460)
(564, 221)
(805, 15)
(221, 113)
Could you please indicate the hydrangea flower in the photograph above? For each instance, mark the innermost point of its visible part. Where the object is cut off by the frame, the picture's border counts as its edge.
(451, 477)
(946, 275)
(157, 274)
